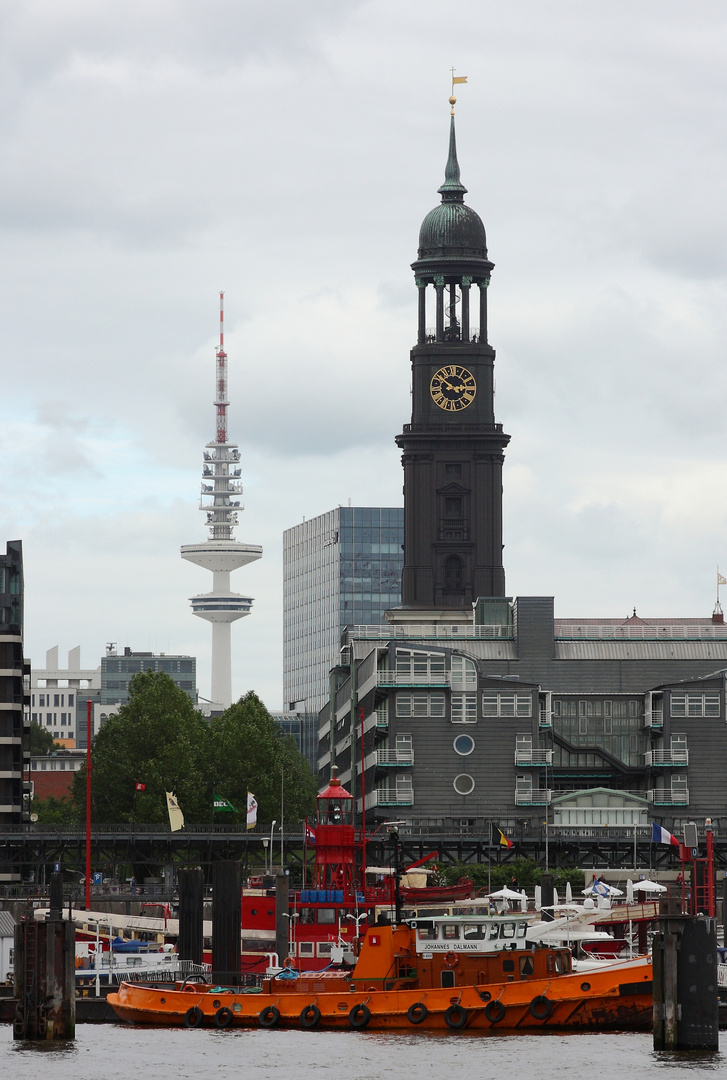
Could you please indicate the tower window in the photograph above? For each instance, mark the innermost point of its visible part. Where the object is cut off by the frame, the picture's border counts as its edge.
(453, 574)
(453, 471)
(453, 506)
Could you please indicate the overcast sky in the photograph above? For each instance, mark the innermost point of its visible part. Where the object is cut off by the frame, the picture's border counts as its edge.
(156, 152)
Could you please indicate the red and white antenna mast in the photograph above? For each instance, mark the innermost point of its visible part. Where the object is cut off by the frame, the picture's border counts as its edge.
(221, 402)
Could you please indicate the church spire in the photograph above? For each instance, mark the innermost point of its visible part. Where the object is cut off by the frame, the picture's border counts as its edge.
(452, 190)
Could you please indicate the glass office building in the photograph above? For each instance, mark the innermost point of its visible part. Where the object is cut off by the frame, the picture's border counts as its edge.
(340, 569)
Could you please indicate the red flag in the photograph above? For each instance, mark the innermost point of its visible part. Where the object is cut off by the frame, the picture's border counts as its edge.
(140, 787)
(310, 834)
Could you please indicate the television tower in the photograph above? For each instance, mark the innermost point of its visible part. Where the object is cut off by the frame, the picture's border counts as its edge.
(221, 553)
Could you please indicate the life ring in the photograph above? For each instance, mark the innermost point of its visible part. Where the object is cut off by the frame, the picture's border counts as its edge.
(223, 1017)
(451, 959)
(455, 1017)
(495, 1012)
(359, 1016)
(269, 1017)
(540, 1007)
(309, 1016)
(417, 1013)
(289, 962)
(193, 1017)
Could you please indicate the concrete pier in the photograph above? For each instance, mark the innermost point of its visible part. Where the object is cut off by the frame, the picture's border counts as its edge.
(686, 1008)
(45, 974)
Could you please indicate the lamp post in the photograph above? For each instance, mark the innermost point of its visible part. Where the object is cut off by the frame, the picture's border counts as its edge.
(265, 849)
(272, 830)
(358, 919)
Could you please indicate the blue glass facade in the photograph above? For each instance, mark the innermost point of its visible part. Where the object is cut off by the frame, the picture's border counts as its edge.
(340, 569)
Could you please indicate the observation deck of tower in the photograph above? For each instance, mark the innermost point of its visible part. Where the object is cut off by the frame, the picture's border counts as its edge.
(221, 553)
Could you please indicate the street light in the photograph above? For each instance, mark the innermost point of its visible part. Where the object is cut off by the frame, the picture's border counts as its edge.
(291, 931)
(357, 919)
(265, 848)
(272, 829)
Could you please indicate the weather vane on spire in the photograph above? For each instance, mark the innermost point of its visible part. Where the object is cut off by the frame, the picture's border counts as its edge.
(455, 79)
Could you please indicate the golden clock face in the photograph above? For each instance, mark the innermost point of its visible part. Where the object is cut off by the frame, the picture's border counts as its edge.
(453, 388)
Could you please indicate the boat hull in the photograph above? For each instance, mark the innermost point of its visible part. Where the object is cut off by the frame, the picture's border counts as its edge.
(611, 999)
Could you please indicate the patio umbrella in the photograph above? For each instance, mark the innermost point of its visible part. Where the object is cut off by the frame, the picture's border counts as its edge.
(568, 893)
(649, 886)
(629, 891)
(504, 894)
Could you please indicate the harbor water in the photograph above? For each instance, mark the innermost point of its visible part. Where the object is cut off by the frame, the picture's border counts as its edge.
(117, 1052)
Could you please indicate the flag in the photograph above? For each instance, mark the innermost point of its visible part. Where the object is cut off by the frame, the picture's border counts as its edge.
(459, 79)
(661, 836)
(220, 804)
(600, 888)
(140, 787)
(251, 810)
(176, 817)
(310, 834)
(500, 838)
(720, 579)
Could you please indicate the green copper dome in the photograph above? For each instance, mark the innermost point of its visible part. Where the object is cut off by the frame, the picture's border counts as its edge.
(452, 230)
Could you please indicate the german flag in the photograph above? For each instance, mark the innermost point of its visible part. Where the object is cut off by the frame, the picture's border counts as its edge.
(498, 837)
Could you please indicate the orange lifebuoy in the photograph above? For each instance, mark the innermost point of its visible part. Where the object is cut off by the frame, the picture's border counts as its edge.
(451, 959)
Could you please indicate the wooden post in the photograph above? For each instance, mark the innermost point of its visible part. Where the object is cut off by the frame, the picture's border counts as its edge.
(685, 984)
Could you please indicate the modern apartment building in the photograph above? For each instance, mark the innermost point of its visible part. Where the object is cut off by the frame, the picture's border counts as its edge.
(14, 686)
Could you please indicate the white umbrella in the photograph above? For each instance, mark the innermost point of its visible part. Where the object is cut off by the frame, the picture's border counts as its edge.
(555, 897)
(504, 894)
(538, 897)
(629, 891)
(523, 901)
(649, 886)
(612, 890)
(568, 893)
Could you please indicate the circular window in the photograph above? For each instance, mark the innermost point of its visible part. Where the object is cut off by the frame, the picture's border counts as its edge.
(464, 745)
(463, 784)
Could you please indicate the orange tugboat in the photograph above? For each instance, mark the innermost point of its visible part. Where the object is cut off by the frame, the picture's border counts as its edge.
(445, 972)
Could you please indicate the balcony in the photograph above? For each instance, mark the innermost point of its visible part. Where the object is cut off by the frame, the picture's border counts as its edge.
(399, 796)
(534, 757)
(533, 797)
(654, 718)
(394, 757)
(674, 796)
(545, 718)
(413, 679)
(422, 631)
(382, 719)
(655, 758)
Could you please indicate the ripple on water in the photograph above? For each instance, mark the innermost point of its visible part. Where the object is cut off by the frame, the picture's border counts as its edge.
(113, 1052)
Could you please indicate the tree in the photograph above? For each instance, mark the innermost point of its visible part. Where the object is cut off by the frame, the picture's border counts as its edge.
(249, 753)
(157, 739)
(41, 740)
(53, 811)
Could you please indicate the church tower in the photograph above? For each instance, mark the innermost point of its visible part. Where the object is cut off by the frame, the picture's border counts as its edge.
(452, 450)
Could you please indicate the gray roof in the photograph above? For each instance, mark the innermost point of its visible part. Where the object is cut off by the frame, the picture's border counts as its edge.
(7, 924)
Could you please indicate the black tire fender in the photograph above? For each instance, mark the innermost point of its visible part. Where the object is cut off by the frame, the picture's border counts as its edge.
(456, 1017)
(269, 1017)
(310, 1016)
(417, 1013)
(194, 1017)
(359, 1016)
(540, 1007)
(223, 1017)
(495, 1012)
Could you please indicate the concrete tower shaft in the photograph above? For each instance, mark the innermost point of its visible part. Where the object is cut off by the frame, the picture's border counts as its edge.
(221, 553)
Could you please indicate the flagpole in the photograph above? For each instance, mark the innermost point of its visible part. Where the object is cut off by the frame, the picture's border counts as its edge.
(89, 706)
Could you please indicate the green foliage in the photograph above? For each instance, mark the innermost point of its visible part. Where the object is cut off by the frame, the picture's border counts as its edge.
(52, 811)
(526, 871)
(160, 739)
(249, 753)
(41, 740)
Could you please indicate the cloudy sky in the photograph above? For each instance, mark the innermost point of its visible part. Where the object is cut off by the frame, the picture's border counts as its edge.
(155, 152)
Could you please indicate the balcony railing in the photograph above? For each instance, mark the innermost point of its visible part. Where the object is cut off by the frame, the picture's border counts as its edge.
(640, 632)
(399, 796)
(669, 796)
(654, 719)
(667, 757)
(400, 678)
(422, 631)
(545, 719)
(394, 757)
(382, 719)
(533, 797)
(533, 757)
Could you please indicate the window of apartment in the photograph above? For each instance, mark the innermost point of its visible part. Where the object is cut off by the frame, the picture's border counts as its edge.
(464, 673)
(464, 710)
(41, 699)
(607, 723)
(420, 703)
(419, 664)
(463, 784)
(56, 700)
(695, 704)
(453, 506)
(49, 720)
(582, 724)
(502, 704)
(453, 471)
(70, 699)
